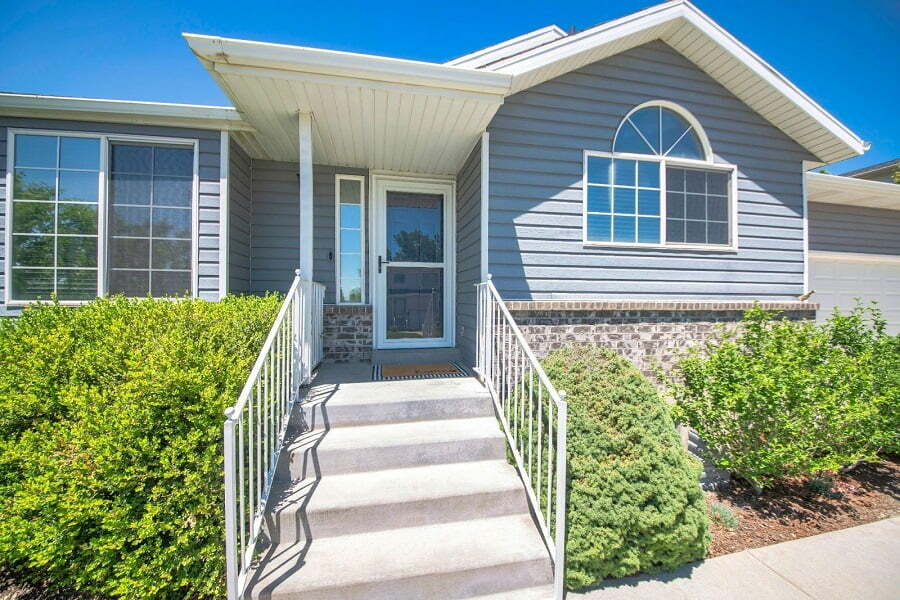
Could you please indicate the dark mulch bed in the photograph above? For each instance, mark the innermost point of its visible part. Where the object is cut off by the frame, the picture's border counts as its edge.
(793, 509)
(20, 585)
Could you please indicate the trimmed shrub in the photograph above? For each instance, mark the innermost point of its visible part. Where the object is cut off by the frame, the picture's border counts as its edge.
(776, 398)
(110, 440)
(634, 499)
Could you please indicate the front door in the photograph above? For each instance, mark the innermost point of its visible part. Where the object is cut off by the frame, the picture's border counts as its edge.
(413, 263)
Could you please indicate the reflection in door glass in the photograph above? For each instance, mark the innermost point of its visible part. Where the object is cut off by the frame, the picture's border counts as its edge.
(415, 223)
(415, 302)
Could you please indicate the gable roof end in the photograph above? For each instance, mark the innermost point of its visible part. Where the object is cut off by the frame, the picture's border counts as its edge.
(522, 43)
(692, 33)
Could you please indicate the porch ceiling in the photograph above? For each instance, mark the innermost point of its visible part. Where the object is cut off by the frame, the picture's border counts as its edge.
(368, 112)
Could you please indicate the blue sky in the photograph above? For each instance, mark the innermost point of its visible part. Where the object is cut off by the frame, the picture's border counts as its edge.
(843, 53)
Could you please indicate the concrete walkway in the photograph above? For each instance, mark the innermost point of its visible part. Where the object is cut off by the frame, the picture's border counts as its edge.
(858, 563)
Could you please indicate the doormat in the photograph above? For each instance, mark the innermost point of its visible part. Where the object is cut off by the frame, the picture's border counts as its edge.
(430, 371)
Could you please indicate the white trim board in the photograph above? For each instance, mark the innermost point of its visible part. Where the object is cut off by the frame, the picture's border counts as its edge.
(224, 211)
(854, 256)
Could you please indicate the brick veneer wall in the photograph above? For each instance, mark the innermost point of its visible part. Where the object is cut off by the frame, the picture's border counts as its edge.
(348, 333)
(648, 333)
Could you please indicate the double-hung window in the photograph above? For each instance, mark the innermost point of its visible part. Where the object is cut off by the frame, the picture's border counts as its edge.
(659, 186)
(95, 214)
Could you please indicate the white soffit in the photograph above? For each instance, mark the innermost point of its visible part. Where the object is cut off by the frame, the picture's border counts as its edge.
(528, 41)
(835, 189)
(368, 111)
(118, 111)
(706, 44)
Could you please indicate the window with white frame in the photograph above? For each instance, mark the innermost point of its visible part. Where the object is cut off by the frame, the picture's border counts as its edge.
(63, 185)
(350, 240)
(659, 185)
(53, 221)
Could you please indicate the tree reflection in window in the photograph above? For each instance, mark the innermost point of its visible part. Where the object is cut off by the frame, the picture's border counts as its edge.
(415, 224)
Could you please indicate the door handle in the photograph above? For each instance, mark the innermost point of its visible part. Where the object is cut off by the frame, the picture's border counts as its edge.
(381, 261)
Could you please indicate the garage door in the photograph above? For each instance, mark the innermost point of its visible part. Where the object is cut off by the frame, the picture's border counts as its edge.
(840, 278)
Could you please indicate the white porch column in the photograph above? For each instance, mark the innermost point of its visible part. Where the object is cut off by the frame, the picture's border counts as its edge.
(306, 196)
(305, 160)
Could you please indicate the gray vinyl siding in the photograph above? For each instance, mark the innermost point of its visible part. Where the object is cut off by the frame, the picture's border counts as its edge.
(537, 142)
(275, 231)
(239, 219)
(209, 141)
(841, 228)
(468, 250)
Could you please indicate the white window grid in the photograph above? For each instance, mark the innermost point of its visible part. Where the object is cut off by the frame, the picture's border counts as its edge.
(55, 201)
(664, 162)
(151, 206)
(106, 139)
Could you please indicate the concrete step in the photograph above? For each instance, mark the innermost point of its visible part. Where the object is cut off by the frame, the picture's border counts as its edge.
(378, 500)
(391, 446)
(376, 402)
(544, 592)
(417, 356)
(452, 560)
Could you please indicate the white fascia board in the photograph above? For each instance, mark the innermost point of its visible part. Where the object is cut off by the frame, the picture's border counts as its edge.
(524, 64)
(507, 48)
(345, 64)
(853, 187)
(164, 113)
(773, 77)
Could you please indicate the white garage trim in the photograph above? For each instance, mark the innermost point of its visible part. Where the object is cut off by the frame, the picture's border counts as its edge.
(855, 256)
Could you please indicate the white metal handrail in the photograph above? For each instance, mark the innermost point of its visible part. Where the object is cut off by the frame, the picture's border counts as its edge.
(255, 426)
(533, 415)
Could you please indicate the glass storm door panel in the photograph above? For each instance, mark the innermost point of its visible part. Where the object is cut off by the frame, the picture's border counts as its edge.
(415, 303)
(412, 266)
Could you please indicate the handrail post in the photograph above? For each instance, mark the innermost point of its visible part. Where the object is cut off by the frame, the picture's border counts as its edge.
(231, 568)
(559, 563)
(489, 342)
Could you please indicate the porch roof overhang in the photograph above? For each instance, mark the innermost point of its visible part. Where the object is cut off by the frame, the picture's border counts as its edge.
(367, 111)
(837, 189)
(166, 114)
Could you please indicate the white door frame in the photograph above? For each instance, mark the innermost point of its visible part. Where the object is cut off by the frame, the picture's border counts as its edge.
(381, 184)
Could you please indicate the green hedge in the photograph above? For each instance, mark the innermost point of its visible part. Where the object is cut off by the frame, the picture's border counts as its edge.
(110, 440)
(777, 398)
(634, 499)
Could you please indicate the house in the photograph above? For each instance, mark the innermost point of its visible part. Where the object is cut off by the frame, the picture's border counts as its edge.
(629, 185)
(649, 170)
(885, 171)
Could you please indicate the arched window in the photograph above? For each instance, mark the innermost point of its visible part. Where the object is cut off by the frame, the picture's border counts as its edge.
(659, 186)
(658, 130)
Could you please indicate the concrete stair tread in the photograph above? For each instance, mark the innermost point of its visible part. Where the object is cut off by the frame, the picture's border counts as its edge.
(370, 403)
(396, 486)
(544, 592)
(385, 557)
(379, 392)
(405, 434)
